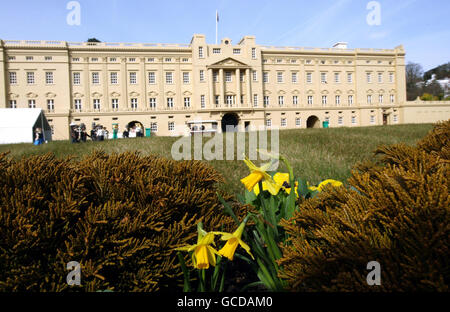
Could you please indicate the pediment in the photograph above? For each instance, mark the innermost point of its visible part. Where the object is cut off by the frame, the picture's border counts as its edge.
(78, 95)
(370, 91)
(296, 92)
(96, 95)
(50, 95)
(310, 92)
(267, 92)
(13, 96)
(115, 94)
(228, 63)
(381, 91)
(170, 93)
(351, 92)
(134, 94)
(338, 92)
(282, 92)
(153, 93)
(187, 93)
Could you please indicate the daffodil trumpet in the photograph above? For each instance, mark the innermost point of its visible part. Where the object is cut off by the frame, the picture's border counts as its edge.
(233, 241)
(259, 174)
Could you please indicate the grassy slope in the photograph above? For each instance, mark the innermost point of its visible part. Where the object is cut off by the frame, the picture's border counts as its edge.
(315, 154)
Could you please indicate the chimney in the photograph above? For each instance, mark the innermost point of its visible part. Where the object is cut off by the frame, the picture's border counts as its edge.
(340, 45)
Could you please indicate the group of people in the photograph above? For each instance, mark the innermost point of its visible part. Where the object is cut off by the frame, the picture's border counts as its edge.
(79, 134)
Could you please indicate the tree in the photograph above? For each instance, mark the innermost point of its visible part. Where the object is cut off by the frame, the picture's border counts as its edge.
(414, 74)
(435, 89)
(93, 40)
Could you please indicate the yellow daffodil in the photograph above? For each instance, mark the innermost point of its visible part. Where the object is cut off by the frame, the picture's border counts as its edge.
(257, 174)
(282, 180)
(320, 187)
(203, 254)
(233, 240)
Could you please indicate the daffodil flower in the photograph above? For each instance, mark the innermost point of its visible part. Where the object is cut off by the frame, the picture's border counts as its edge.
(320, 187)
(203, 254)
(257, 174)
(282, 180)
(233, 240)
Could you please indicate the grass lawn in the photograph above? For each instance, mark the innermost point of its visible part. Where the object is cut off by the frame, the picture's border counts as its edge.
(315, 154)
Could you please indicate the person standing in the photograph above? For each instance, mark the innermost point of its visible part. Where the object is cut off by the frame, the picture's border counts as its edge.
(125, 133)
(100, 133)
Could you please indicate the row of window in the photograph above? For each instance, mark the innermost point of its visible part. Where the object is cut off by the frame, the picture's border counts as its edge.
(30, 58)
(31, 79)
(236, 51)
(340, 121)
(32, 104)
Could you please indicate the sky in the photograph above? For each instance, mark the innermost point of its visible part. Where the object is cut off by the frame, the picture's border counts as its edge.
(421, 26)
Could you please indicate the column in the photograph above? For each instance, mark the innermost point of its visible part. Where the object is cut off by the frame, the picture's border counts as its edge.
(249, 88)
(222, 89)
(238, 87)
(123, 103)
(211, 87)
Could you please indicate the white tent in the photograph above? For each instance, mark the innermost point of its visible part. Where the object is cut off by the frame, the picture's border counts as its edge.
(18, 125)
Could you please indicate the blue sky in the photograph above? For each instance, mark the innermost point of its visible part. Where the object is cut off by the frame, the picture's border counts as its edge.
(420, 25)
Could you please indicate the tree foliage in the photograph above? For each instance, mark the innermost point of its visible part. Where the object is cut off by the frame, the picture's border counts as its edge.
(396, 212)
(119, 216)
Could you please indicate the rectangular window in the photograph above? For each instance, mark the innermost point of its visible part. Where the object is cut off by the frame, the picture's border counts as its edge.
(77, 105)
(349, 77)
(216, 77)
(133, 78)
(338, 100)
(255, 75)
(265, 77)
(171, 126)
(227, 76)
(217, 100)
(369, 99)
(12, 104)
(242, 77)
(151, 78)
(113, 78)
(324, 100)
(186, 78)
(266, 100)
(154, 127)
(281, 100)
(97, 104)
(13, 78)
(350, 100)
(310, 100)
(308, 77)
(49, 78)
(185, 60)
(216, 51)
(11, 58)
(202, 101)
(230, 100)
(295, 100)
(30, 78)
(169, 78)
(95, 78)
(113, 59)
(298, 122)
(48, 58)
(76, 79)
(169, 102)
(372, 119)
(132, 59)
(31, 103)
(279, 77)
(340, 120)
(255, 100)
(29, 58)
(202, 75)
(369, 77)
(115, 103)
(283, 122)
(269, 122)
(337, 78)
(236, 51)
(391, 77)
(50, 105)
(380, 77)
(168, 59)
(392, 98)
(200, 52)
(294, 77)
(152, 103)
(380, 98)
(187, 102)
(134, 103)
(353, 120)
(253, 53)
(395, 118)
(323, 77)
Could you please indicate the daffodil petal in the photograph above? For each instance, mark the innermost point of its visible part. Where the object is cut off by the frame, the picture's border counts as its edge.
(246, 247)
(251, 180)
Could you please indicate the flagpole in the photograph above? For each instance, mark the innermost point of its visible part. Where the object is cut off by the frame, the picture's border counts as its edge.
(217, 25)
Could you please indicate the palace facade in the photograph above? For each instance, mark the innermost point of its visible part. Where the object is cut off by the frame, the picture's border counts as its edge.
(174, 89)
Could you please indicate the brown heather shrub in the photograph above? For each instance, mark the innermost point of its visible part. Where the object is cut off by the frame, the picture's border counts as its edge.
(396, 212)
(119, 216)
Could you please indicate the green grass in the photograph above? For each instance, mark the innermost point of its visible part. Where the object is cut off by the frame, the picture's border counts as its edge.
(315, 154)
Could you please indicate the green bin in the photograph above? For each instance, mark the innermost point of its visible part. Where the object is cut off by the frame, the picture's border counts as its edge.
(148, 132)
(326, 124)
